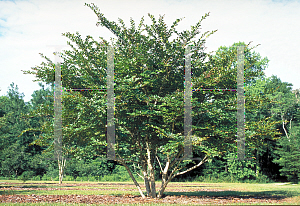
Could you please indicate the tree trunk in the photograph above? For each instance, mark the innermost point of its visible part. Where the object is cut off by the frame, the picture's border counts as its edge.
(164, 179)
(283, 123)
(163, 187)
(61, 167)
(151, 171)
(257, 168)
(147, 185)
(152, 179)
(164, 184)
(146, 179)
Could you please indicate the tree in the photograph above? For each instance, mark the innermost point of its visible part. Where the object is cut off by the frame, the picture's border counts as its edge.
(42, 100)
(289, 153)
(284, 102)
(15, 153)
(259, 128)
(287, 109)
(262, 128)
(12, 109)
(149, 102)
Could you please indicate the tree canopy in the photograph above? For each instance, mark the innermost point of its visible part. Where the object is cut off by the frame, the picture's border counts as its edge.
(149, 97)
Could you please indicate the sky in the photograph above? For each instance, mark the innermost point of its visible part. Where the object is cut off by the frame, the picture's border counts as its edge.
(30, 27)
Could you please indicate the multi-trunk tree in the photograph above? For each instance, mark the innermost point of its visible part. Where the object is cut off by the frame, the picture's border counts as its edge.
(149, 98)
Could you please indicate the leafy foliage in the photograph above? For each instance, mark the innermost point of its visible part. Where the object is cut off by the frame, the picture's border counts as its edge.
(289, 153)
(149, 99)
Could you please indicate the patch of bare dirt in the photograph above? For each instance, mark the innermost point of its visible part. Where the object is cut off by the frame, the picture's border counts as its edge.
(108, 199)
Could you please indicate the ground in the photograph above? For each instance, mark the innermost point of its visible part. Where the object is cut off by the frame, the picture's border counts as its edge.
(124, 193)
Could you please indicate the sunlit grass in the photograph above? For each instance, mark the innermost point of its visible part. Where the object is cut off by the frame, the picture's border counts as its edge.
(68, 192)
(287, 190)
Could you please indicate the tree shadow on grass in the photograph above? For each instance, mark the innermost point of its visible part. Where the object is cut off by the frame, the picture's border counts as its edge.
(194, 186)
(277, 194)
(33, 185)
(22, 192)
(25, 186)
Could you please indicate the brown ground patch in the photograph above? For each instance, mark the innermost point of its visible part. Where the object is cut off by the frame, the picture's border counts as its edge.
(128, 198)
(107, 199)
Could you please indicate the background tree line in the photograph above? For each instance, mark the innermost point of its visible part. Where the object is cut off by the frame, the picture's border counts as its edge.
(19, 158)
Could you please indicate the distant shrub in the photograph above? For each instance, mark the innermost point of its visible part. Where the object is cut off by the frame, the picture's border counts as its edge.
(92, 179)
(46, 178)
(25, 176)
(36, 178)
(68, 178)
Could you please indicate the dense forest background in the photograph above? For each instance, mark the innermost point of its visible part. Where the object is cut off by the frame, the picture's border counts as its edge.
(276, 158)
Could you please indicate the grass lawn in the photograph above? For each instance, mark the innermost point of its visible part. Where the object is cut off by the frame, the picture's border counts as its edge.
(177, 193)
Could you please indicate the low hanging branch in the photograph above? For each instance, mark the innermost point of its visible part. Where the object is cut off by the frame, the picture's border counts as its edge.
(131, 175)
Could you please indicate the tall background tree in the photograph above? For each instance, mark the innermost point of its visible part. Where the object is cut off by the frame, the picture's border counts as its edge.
(286, 108)
(17, 156)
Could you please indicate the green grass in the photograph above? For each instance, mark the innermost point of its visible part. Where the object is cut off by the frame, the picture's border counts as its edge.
(288, 190)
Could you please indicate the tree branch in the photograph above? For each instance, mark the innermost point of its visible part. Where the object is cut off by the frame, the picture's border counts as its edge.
(284, 127)
(159, 163)
(132, 177)
(137, 172)
(199, 164)
(174, 161)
